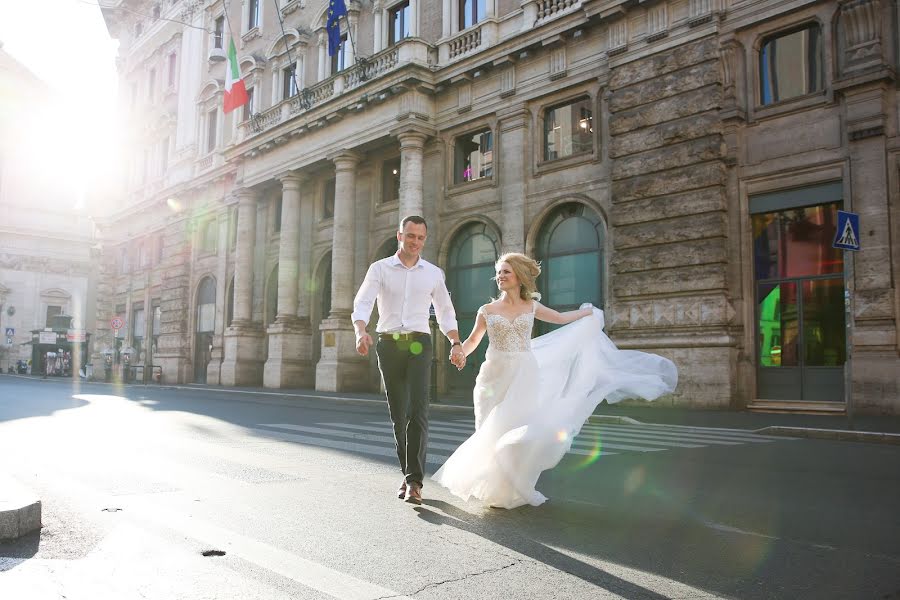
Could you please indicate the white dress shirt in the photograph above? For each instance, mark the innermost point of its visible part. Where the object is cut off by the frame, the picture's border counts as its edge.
(404, 296)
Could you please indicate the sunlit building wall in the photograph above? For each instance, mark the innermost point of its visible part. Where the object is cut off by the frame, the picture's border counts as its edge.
(636, 149)
(45, 233)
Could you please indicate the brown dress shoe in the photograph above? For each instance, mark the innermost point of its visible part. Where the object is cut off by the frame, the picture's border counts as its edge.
(401, 493)
(414, 495)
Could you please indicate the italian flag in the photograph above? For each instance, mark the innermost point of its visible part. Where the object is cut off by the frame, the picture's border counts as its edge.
(235, 92)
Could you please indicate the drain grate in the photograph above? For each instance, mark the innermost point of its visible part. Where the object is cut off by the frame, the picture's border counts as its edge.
(213, 553)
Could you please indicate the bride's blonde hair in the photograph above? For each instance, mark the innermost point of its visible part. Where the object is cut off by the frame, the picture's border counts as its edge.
(526, 269)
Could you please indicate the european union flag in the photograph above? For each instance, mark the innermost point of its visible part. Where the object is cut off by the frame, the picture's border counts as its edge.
(336, 10)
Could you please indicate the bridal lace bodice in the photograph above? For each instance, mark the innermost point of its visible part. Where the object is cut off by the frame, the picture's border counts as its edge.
(509, 336)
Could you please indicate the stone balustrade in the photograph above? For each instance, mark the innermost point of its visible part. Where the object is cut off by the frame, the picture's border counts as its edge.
(465, 42)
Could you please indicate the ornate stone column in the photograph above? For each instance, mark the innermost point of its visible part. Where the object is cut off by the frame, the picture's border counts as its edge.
(514, 140)
(413, 18)
(323, 55)
(412, 145)
(378, 16)
(244, 337)
(282, 368)
(340, 368)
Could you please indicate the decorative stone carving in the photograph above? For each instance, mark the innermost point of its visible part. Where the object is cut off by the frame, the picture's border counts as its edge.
(860, 35)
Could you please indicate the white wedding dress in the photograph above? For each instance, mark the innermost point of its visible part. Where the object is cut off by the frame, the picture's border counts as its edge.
(532, 397)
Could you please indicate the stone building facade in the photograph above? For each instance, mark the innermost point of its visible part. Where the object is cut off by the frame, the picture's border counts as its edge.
(46, 242)
(680, 163)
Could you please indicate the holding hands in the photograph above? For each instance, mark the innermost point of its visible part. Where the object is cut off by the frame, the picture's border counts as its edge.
(457, 356)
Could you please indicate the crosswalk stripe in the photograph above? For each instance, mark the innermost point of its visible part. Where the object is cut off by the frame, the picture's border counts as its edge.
(383, 451)
(589, 445)
(686, 433)
(637, 434)
(368, 437)
(435, 459)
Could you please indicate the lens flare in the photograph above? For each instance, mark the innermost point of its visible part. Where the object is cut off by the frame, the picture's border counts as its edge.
(174, 205)
(415, 348)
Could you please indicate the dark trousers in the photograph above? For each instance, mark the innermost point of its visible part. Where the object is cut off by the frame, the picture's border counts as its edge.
(406, 372)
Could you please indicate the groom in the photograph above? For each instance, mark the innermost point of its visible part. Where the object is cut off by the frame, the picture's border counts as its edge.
(406, 285)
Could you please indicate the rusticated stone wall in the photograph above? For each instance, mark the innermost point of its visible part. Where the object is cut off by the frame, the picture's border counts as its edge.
(668, 279)
(175, 307)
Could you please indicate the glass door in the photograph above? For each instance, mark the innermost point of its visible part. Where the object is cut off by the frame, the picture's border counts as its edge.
(801, 345)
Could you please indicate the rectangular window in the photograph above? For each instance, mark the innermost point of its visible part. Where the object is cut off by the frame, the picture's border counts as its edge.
(144, 255)
(339, 58)
(399, 23)
(211, 130)
(390, 178)
(232, 231)
(164, 156)
(790, 65)
(328, 194)
(138, 327)
(52, 313)
(219, 33)
(276, 224)
(248, 108)
(159, 249)
(151, 84)
(156, 315)
(173, 62)
(471, 12)
(134, 94)
(124, 266)
(208, 241)
(474, 156)
(288, 82)
(253, 14)
(568, 130)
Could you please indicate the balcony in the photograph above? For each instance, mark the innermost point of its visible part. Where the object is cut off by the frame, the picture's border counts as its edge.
(364, 71)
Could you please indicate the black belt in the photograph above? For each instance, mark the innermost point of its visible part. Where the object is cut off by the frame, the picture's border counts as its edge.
(403, 337)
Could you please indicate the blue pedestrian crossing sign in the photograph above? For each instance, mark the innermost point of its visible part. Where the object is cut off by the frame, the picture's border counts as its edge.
(10, 332)
(847, 235)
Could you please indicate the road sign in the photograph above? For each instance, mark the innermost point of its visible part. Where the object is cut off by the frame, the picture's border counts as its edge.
(117, 323)
(10, 332)
(847, 235)
(76, 335)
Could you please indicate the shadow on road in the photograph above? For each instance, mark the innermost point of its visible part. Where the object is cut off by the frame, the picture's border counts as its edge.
(21, 548)
(19, 399)
(498, 530)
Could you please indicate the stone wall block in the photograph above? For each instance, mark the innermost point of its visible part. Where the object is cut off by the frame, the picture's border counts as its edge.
(664, 313)
(667, 256)
(669, 157)
(665, 86)
(667, 207)
(672, 132)
(660, 64)
(682, 179)
(668, 281)
(874, 304)
(675, 107)
(678, 229)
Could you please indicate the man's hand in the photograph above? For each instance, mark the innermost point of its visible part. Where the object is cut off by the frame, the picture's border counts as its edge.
(457, 357)
(363, 342)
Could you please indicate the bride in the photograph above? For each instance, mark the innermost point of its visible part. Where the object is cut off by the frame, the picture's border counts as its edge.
(531, 397)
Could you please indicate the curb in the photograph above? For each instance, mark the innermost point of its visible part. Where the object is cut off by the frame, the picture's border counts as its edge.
(869, 437)
(20, 510)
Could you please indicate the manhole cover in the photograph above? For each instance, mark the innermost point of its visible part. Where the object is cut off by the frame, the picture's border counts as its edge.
(213, 553)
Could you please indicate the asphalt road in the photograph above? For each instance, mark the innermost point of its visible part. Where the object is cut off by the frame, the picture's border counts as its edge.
(137, 483)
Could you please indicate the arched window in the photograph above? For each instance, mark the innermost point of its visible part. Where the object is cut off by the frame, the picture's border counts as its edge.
(473, 252)
(570, 248)
(206, 305)
(272, 296)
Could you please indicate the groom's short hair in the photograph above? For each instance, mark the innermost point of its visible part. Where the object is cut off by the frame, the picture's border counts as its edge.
(413, 219)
